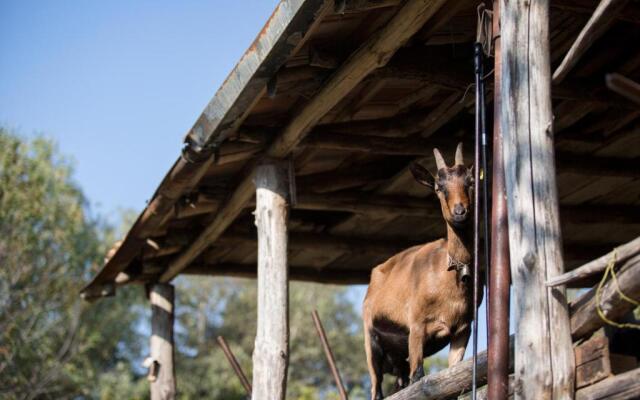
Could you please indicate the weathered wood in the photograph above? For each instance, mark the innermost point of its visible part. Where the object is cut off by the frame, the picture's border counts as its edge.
(329, 243)
(619, 387)
(271, 351)
(353, 6)
(603, 17)
(621, 254)
(347, 275)
(234, 364)
(631, 12)
(592, 361)
(598, 166)
(359, 203)
(375, 52)
(449, 382)
(329, 355)
(163, 380)
(544, 356)
(624, 86)
(584, 316)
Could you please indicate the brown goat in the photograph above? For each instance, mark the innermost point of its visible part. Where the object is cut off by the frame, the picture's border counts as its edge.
(421, 299)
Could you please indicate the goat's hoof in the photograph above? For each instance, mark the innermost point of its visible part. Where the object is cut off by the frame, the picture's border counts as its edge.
(417, 375)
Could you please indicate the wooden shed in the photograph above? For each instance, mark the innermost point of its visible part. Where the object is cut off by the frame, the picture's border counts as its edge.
(333, 101)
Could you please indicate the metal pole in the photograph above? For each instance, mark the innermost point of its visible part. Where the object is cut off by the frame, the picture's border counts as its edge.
(329, 354)
(234, 364)
(476, 217)
(498, 297)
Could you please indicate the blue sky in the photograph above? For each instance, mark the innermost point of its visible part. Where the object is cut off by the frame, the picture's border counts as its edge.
(118, 83)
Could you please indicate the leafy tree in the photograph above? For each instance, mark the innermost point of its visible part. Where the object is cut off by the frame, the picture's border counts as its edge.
(211, 307)
(55, 346)
(207, 308)
(52, 345)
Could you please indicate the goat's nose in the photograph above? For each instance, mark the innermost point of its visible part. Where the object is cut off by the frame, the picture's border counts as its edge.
(459, 210)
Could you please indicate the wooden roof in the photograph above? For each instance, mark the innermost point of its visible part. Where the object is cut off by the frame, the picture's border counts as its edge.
(351, 93)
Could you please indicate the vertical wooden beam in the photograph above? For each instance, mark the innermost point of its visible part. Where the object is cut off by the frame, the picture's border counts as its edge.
(162, 376)
(271, 351)
(544, 362)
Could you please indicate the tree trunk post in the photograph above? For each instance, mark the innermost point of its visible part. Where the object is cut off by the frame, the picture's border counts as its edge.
(162, 373)
(544, 361)
(271, 351)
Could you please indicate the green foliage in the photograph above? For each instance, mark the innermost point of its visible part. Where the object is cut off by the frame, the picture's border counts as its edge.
(226, 307)
(55, 346)
(52, 343)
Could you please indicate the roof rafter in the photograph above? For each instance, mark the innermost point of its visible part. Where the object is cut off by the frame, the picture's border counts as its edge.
(374, 53)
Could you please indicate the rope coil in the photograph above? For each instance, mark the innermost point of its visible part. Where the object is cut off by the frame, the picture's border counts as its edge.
(611, 270)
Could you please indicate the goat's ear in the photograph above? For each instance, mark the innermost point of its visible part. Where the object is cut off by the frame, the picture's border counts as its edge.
(421, 174)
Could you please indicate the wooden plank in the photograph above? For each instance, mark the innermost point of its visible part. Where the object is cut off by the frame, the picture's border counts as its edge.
(162, 373)
(271, 351)
(449, 382)
(592, 361)
(375, 52)
(631, 12)
(347, 275)
(621, 254)
(624, 86)
(619, 387)
(541, 315)
(584, 316)
(603, 17)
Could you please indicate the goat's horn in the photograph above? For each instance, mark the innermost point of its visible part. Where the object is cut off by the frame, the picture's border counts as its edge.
(439, 160)
(459, 159)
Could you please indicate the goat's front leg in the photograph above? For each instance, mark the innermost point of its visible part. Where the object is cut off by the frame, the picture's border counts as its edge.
(416, 341)
(458, 346)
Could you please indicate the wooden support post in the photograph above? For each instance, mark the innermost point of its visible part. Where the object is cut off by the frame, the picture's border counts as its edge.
(543, 349)
(271, 351)
(162, 373)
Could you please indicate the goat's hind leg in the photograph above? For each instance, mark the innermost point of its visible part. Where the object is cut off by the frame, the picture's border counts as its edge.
(458, 346)
(375, 360)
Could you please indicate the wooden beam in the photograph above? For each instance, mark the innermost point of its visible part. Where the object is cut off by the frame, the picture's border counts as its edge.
(631, 12)
(544, 357)
(374, 53)
(449, 383)
(380, 204)
(271, 351)
(355, 6)
(584, 315)
(335, 275)
(619, 254)
(582, 164)
(624, 87)
(619, 387)
(331, 243)
(598, 166)
(162, 372)
(603, 17)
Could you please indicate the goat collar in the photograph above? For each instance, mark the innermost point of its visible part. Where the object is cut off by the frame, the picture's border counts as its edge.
(463, 270)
